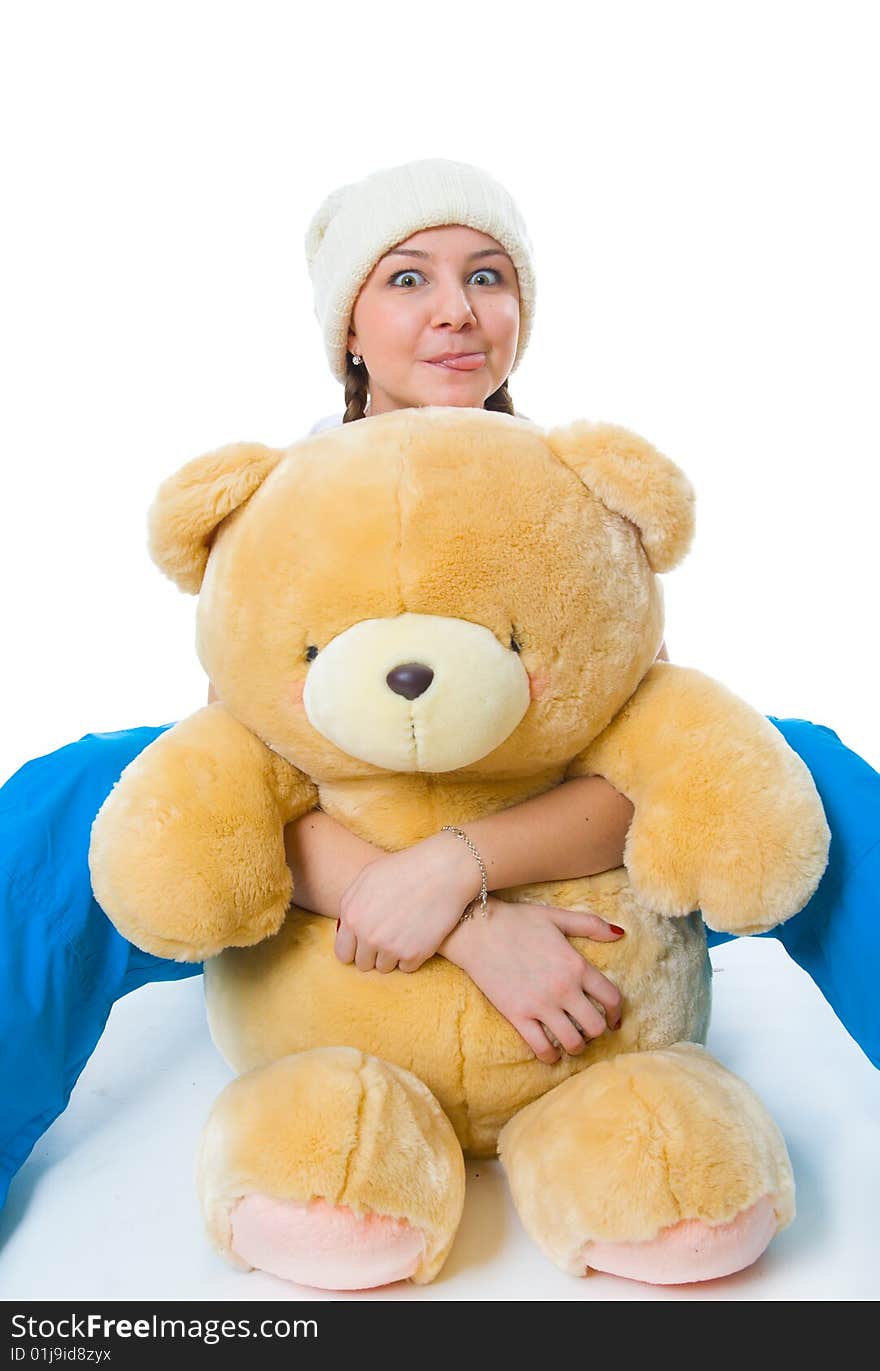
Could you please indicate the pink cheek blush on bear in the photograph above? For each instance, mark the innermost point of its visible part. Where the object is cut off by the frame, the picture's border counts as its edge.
(538, 686)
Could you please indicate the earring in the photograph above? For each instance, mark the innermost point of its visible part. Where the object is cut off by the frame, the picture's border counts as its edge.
(356, 361)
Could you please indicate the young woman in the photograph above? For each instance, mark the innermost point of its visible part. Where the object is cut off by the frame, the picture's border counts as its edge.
(424, 288)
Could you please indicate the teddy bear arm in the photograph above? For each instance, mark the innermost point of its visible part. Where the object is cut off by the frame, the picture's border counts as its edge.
(187, 852)
(727, 818)
(654, 738)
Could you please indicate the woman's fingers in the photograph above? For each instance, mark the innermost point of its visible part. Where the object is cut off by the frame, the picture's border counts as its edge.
(534, 1034)
(591, 1018)
(365, 957)
(571, 1029)
(346, 943)
(578, 923)
(352, 949)
(600, 988)
(565, 1032)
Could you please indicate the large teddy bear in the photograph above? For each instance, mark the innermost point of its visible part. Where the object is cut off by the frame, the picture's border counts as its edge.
(518, 569)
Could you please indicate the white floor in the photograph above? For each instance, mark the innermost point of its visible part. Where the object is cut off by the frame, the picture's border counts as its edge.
(105, 1206)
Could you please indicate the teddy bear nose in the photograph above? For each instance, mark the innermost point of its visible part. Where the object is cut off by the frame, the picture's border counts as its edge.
(410, 680)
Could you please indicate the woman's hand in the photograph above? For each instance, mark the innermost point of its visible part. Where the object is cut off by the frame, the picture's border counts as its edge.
(400, 907)
(521, 959)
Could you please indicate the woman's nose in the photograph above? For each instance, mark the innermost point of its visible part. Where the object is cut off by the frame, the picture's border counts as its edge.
(453, 307)
(410, 680)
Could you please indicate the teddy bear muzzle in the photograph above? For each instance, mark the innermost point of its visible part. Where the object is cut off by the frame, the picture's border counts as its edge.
(418, 692)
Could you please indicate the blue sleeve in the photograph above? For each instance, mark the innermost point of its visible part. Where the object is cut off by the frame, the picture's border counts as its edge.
(62, 962)
(836, 936)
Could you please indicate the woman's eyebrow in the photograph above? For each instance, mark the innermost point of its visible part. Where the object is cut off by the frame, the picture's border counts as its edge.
(415, 252)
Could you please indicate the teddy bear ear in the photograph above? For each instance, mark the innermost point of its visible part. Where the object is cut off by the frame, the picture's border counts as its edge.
(190, 505)
(632, 478)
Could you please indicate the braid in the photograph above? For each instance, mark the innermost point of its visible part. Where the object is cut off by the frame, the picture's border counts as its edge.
(500, 400)
(356, 389)
(357, 393)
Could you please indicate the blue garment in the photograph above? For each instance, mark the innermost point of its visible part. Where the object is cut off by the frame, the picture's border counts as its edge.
(63, 964)
(836, 936)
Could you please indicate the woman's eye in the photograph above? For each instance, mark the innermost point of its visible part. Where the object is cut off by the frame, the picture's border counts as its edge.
(403, 273)
(311, 654)
(481, 271)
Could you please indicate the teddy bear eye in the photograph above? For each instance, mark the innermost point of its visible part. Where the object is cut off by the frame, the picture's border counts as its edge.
(311, 653)
(513, 643)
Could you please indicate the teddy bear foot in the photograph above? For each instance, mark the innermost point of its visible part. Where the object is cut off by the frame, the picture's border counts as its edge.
(331, 1168)
(325, 1245)
(659, 1166)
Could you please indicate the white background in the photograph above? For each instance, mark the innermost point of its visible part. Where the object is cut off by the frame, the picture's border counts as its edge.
(699, 183)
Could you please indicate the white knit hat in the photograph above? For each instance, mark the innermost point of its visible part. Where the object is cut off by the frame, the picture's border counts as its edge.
(358, 223)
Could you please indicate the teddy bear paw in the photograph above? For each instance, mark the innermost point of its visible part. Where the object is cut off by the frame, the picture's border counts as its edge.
(331, 1168)
(744, 878)
(659, 1166)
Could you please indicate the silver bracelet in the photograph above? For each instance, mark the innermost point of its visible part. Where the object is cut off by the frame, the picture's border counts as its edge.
(483, 896)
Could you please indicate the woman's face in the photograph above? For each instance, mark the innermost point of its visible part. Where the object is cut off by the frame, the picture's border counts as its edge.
(446, 289)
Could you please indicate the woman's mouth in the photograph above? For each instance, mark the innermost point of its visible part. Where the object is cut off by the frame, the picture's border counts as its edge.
(469, 361)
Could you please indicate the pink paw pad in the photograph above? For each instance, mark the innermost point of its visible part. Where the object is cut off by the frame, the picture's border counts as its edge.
(690, 1250)
(324, 1245)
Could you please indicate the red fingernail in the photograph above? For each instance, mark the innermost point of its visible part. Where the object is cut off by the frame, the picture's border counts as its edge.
(615, 929)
